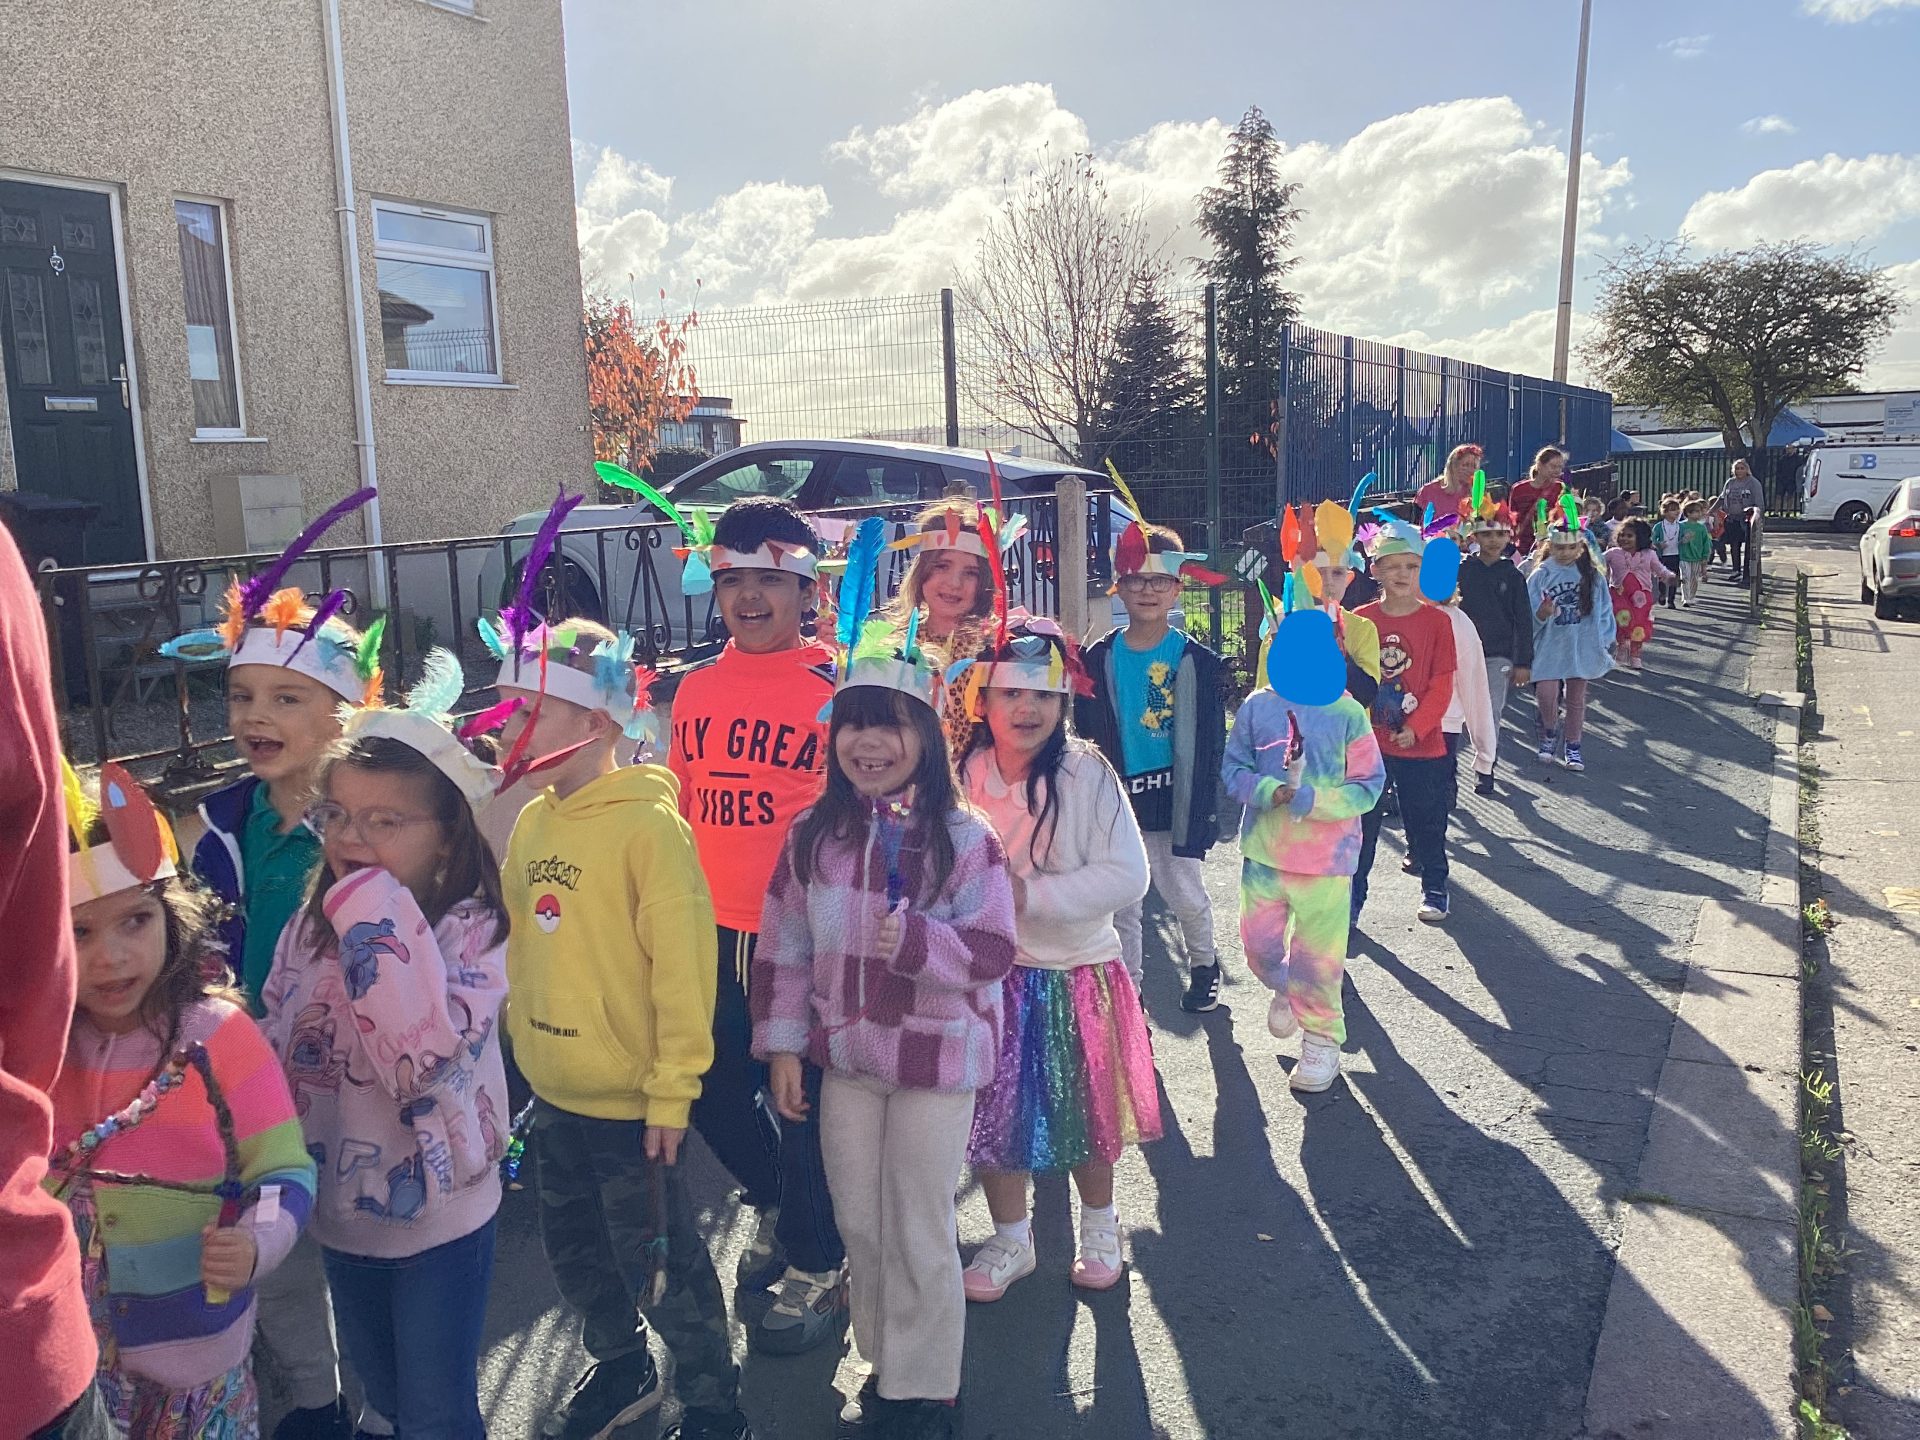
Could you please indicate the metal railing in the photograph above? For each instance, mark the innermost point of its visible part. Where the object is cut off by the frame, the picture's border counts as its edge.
(127, 702)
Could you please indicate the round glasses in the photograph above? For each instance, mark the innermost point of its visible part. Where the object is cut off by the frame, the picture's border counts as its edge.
(375, 827)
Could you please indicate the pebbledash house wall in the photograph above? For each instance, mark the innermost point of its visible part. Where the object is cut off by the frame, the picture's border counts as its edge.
(229, 100)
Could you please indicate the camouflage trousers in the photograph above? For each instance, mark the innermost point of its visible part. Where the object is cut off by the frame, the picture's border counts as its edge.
(597, 1223)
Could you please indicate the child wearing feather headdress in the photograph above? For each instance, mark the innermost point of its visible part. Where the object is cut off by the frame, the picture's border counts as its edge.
(950, 581)
(1158, 712)
(614, 970)
(1574, 631)
(383, 1004)
(292, 664)
(887, 930)
(175, 1143)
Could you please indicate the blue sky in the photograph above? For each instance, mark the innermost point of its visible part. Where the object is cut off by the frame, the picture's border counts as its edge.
(790, 151)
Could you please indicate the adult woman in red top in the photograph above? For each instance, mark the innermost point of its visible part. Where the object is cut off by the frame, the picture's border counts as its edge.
(1453, 484)
(1542, 483)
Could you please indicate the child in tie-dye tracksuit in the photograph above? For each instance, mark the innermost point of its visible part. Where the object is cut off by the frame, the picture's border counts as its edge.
(1305, 775)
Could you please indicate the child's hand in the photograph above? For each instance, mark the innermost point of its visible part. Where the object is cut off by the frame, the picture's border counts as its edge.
(227, 1257)
(1545, 612)
(663, 1143)
(893, 929)
(1404, 737)
(1521, 675)
(784, 1080)
(1282, 797)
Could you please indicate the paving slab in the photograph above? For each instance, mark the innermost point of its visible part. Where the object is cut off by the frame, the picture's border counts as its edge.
(1731, 1018)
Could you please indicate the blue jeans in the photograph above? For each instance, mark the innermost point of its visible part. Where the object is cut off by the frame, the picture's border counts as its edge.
(411, 1327)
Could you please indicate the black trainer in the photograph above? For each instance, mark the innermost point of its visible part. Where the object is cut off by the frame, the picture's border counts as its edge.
(318, 1422)
(925, 1420)
(710, 1425)
(612, 1393)
(1203, 990)
(1483, 785)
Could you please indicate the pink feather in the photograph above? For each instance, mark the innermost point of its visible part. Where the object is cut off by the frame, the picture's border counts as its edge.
(492, 718)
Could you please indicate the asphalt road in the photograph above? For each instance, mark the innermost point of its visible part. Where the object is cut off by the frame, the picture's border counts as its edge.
(1426, 1249)
(1865, 674)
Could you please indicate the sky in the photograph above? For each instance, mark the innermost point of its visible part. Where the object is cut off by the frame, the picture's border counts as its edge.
(749, 152)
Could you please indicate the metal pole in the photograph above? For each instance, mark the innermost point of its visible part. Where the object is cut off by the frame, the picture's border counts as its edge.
(950, 368)
(1282, 414)
(1213, 454)
(1563, 317)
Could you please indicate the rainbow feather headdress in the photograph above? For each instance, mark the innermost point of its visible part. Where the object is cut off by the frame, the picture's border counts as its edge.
(1033, 654)
(701, 557)
(261, 624)
(1310, 539)
(140, 848)
(1133, 555)
(1479, 513)
(875, 652)
(424, 723)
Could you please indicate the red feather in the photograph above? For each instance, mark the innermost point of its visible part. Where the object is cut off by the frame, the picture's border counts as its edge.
(1190, 571)
(1309, 537)
(999, 582)
(132, 823)
(1289, 536)
(1131, 553)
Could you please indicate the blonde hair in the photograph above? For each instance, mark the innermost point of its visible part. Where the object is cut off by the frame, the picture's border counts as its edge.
(928, 521)
(1547, 452)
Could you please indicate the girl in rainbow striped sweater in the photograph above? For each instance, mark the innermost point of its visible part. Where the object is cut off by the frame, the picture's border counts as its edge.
(175, 1141)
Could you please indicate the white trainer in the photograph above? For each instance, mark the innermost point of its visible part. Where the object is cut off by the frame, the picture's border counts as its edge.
(1099, 1264)
(1280, 1022)
(1319, 1066)
(993, 1271)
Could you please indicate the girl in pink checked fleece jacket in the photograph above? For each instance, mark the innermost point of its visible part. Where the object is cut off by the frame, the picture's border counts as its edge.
(886, 933)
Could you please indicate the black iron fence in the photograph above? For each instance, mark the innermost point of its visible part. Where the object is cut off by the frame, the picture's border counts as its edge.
(126, 701)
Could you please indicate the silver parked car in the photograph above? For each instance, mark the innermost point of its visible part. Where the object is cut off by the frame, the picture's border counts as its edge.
(604, 574)
(1890, 552)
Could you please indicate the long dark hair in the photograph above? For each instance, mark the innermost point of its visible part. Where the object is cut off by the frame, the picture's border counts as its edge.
(194, 968)
(1589, 576)
(470, 871)
(842, 812)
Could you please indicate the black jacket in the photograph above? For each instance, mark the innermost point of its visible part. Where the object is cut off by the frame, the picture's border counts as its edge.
(1199, 737)
(1495, 599)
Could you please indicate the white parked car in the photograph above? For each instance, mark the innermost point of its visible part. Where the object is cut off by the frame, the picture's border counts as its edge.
(601, 575)
(1845, 482)
(1890, 552)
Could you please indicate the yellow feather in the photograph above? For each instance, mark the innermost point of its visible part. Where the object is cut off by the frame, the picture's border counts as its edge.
(1333, 528)
(1125, 493)
(81, 811)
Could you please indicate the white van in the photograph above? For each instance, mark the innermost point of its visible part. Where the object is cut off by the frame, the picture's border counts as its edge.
(1846, 481)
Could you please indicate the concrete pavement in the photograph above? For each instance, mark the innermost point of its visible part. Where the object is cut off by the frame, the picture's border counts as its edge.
(1865, 675)
(1428, 1249)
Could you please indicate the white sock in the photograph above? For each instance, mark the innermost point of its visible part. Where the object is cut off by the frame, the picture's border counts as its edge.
(1019, 1231)
(1107, 1217)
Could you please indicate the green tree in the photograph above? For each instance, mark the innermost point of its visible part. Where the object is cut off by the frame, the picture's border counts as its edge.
(1248, 217)
(1733, 339)
(1152, 387)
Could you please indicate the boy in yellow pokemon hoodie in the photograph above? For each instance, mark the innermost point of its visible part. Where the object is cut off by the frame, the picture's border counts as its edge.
(611, 970)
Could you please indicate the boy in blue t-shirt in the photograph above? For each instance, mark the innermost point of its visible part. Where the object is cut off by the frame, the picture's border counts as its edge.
(1158, 713)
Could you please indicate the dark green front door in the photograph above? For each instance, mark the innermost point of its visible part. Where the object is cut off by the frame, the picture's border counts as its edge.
(67, 393)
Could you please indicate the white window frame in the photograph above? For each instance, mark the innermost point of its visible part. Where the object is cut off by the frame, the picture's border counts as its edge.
(481, 260)
(224, 432)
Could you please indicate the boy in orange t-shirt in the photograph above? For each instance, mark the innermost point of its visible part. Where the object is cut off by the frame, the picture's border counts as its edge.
(1417, 664)
(749, 750)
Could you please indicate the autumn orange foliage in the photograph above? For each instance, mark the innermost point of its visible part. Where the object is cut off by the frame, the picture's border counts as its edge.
(639, 378)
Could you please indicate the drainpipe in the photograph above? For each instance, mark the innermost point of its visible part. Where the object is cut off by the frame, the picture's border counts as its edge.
(356, 297)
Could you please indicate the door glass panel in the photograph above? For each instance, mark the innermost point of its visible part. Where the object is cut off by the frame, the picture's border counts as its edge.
(19, 229)
(27, 304)
(76, 232)
(89, 330)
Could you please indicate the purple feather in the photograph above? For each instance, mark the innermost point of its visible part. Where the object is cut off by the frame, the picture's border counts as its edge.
(1440, 526)
(254, 593)
(518, 618)
(329, 607)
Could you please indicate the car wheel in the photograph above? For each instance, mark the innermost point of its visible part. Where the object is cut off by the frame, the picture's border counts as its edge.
(1885, 606)
(1866, 590)
(1852, 516)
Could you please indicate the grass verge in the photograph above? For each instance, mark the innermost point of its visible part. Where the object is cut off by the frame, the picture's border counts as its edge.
(1822, 1154)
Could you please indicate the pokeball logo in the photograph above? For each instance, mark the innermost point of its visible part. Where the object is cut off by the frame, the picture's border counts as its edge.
(546, 912)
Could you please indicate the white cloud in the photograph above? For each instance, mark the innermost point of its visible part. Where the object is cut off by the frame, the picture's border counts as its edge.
(1834, 200)
(1769, 125)
(615, 183)
(982, 137)
(1897, 365)
(1847, 12)
(1692, 47)
(1524, 344)
(745, 243)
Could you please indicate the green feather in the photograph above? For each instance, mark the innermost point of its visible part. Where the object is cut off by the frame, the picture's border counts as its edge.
(367, 658)
(626, 480)
(1479, 490)
(702, 525)
(1571, 508)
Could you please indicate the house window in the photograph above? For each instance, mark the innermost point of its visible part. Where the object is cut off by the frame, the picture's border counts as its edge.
(438, 319)
(208, 287)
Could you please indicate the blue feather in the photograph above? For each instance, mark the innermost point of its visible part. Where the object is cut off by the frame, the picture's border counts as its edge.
(857, 590)
(913, 632)
(1360, 491)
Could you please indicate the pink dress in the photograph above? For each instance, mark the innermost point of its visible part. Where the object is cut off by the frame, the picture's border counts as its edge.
(1632, 577)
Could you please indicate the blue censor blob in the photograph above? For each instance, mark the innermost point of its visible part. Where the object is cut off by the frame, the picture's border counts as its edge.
(1305, 664)
(1440, 570)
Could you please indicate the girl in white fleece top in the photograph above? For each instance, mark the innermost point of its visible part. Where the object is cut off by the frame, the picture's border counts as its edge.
(1075, 1080)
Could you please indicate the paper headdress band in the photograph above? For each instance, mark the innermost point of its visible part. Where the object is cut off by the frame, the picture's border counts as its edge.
(541, 663)
(1036, 655)
(139, 848)
(875, 653)
(424, 723)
